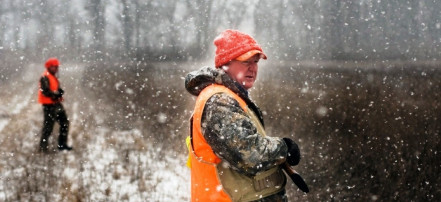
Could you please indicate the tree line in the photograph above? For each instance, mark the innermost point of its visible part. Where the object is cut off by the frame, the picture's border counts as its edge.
(185, 29)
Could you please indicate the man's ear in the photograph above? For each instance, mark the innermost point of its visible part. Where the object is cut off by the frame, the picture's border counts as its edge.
(226, 67)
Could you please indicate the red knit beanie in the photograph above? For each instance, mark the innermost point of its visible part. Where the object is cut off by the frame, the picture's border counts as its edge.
(231, 44)
(52, 62)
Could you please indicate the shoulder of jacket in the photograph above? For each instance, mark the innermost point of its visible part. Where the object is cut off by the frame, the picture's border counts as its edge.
(44, 77)
(223, 96)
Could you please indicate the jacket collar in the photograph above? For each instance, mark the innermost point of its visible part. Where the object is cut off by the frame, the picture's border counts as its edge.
(197, 80)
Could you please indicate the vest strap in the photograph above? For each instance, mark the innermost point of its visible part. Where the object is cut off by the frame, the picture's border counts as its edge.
(264, 182)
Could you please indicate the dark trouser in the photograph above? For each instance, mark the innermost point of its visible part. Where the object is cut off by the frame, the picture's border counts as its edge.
(52, 113)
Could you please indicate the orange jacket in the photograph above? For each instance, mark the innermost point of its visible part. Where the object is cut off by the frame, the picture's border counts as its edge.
(205, 184)
(53, 86)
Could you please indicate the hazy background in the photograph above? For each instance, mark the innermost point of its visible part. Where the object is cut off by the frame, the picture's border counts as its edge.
(355, 83)
(93, 30)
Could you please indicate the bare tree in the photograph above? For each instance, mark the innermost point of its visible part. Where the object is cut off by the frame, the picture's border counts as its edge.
(96, 9)
(137, 21)
(432, 26)
(127, 22)
(301, 29)
(201, 10)
(2, 24)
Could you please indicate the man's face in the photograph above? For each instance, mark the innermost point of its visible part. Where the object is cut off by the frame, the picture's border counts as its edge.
(53, 69)
(244, 72)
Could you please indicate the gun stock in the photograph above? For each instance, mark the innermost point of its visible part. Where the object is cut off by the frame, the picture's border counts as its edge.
(295, 177)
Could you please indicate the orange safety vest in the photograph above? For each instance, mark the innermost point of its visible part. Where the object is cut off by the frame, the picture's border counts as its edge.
(205, 183)
(53, 86)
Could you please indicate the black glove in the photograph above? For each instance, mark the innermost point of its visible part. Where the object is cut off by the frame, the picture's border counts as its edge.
(61, 91)
(293, 157)
(58, 94)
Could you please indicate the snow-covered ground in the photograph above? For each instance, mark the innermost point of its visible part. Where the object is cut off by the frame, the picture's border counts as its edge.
(128, 125)
(105, 165)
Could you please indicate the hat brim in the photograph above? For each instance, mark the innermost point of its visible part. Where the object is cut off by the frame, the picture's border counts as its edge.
(250, 54)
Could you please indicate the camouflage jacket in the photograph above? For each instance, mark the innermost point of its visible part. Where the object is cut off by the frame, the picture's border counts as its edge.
(228, 129)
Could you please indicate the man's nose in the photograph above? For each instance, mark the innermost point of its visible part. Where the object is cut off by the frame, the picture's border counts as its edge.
(253, 66)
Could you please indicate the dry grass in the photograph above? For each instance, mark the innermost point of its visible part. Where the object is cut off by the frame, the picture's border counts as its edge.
(367, 131)
(144, 96)
(112, 151)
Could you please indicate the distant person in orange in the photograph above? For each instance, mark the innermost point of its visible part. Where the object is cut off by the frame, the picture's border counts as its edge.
(50, 95)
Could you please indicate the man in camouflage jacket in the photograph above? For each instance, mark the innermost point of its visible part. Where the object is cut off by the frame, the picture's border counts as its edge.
(226, 127)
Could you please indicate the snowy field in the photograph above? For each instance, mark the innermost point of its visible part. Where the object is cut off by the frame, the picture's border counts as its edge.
(106, 164)
(367, 131)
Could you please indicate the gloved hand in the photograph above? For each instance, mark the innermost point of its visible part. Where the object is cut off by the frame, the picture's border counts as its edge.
(293, 157)
(58, 94)
(60, 91)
